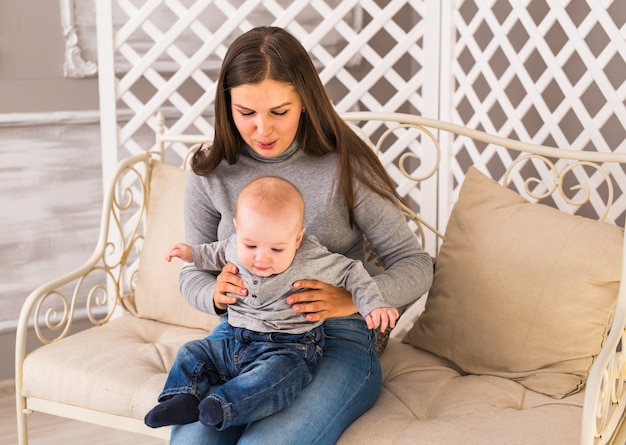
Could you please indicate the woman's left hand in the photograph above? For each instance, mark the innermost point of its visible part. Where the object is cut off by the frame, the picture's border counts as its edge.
(321, 301)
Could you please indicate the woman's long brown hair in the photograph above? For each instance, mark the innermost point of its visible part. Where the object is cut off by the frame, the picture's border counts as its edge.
(271, 52)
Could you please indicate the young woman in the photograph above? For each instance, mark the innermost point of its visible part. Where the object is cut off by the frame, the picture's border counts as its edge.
(273, 117)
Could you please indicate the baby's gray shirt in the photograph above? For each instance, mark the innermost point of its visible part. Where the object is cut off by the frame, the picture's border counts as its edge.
(265, 308)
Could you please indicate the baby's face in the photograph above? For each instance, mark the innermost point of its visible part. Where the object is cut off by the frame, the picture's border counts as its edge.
(267, 244)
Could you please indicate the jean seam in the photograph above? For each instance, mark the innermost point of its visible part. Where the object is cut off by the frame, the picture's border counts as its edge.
(362, 383)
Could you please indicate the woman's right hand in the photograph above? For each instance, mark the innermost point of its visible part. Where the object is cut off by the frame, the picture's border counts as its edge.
(228, 282)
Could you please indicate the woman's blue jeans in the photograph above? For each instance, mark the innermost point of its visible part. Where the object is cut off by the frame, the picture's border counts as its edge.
(346, 385)
(258, 374)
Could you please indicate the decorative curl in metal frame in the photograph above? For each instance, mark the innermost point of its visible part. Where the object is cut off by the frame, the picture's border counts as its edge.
(612, 392)
(577, 194)
(74, 65)
(114, 261)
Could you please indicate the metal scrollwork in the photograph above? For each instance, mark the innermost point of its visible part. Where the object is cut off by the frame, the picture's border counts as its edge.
(399, 130)
(557, 183)
(612, 394)
(127, 214)
(54, 318)
(97, 287)
(411, 155)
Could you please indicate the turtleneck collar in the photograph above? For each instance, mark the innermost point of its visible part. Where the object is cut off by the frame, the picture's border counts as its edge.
(291, 150)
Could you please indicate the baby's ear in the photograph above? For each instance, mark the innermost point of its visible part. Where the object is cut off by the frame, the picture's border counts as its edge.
(300, 236)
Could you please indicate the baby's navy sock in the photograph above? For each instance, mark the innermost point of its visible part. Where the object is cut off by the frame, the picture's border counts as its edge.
(211, 413)
(177, 410)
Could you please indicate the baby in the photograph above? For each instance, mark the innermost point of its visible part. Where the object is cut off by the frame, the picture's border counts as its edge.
(265, 353)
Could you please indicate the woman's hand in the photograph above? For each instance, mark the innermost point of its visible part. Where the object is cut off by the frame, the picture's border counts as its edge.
(321, 301)
(228, 282)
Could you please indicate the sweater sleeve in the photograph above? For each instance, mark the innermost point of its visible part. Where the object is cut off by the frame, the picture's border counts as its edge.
(211, 256)
(316, 262)
(408, 268)
(201, 223)
(365, 293)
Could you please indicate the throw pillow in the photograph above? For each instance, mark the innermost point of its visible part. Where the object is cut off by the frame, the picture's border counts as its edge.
(157, 293)
(521, 290)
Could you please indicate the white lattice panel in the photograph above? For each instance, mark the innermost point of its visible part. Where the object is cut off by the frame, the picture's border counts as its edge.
(165, 55)
(551, 72)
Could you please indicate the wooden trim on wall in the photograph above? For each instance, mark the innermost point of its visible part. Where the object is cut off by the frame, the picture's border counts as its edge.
(49, 118)
(71, 117)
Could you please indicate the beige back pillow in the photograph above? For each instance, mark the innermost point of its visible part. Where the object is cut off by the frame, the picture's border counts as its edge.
(157, 294)
(521, 290)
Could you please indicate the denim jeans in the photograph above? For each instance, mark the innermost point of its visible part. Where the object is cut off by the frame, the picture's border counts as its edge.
(346, 385)
(258, 374)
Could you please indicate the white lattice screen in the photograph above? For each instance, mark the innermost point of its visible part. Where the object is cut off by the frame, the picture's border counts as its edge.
(166, 55)
(552, 72)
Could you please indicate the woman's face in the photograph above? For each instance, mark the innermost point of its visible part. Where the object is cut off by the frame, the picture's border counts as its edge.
(267, 115)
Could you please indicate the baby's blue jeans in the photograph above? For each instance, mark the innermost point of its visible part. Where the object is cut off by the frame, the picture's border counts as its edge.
(253, 374)
(346, 385)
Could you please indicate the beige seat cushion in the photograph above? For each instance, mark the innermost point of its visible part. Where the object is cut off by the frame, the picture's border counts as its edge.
(157, 294)
(426, 400)
(521, 290)
(119, 368)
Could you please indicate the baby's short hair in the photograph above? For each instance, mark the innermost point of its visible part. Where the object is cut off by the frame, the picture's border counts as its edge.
(272, 194)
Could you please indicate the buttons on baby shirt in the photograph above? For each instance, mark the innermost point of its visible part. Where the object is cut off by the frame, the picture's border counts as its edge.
(256, 284)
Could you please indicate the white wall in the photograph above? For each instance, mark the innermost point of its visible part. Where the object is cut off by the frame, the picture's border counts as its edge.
(31, 61)
(50, 172)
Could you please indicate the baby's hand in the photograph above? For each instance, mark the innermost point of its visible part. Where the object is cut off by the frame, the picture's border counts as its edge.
(180, 250)
(383, 317)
